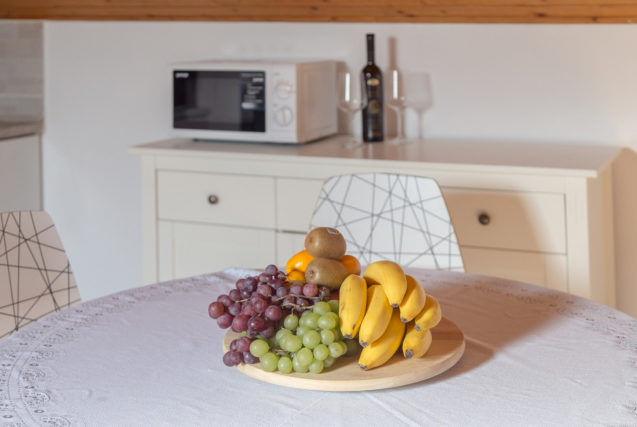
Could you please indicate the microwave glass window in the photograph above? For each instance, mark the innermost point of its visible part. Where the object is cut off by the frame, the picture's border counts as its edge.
(219, 100)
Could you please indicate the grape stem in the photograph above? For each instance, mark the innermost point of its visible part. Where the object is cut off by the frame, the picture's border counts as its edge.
(296, 306)
(315, 299)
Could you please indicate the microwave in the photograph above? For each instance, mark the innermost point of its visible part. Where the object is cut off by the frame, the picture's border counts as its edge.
(258, 101)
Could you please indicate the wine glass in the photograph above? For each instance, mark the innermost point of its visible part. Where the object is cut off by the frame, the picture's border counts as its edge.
(417, 95)
(396, 101)
(352, 98)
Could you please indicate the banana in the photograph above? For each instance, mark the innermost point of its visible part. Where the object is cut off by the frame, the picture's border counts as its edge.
(429, 316)
(377, 316)
(416, 343)
(352, 304)
(391, 276)
(414, 300)
(381, 350)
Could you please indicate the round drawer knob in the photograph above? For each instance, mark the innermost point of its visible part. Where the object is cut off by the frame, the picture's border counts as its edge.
(213, 199)
(484, 218)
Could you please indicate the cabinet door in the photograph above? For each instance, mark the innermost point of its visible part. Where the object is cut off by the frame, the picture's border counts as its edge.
(295, 201)
(187, 249)
(548, 270)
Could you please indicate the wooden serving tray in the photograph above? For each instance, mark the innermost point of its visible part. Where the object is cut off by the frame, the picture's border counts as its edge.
(345, 375)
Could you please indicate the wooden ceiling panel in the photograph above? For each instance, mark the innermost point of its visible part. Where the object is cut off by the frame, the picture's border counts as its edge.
(483, 11)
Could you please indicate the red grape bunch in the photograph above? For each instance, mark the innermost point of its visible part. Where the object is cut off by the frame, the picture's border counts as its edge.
(257, 305)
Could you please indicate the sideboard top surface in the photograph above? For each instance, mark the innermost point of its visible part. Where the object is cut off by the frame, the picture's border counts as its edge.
(542, 158)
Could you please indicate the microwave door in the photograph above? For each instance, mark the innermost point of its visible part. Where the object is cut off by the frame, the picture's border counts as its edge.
(219, 100)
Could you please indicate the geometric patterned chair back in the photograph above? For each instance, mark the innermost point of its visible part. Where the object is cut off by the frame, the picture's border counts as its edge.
(402, 218)
(35, 275)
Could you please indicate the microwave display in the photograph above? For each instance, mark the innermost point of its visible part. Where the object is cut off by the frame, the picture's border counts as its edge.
(219, 100)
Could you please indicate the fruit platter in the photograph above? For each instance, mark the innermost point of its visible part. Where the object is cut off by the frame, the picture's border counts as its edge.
(325, 324)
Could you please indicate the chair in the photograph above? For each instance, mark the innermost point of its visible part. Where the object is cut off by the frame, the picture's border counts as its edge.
(35, 274)
(402, 218)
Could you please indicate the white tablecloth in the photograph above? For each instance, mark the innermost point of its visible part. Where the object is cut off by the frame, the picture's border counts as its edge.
(152, 356)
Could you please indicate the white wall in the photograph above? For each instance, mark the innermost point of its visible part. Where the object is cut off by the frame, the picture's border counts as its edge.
(107, 87)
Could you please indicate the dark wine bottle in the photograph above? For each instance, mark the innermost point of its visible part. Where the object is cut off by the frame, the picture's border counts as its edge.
(373, 128)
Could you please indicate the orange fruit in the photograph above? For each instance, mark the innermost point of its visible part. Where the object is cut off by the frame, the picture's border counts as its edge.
(296, 276)
(299, 261)
(351, 264)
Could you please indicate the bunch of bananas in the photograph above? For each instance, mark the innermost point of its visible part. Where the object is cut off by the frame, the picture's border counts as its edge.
(385, 308)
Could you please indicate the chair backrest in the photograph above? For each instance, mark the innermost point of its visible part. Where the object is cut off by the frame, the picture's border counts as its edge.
(402, 218)
(35, 274)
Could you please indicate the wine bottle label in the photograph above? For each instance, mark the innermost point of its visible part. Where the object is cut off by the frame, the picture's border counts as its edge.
(373, 106)
(373, 81)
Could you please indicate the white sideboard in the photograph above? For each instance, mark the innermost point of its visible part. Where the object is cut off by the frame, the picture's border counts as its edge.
(538, 213)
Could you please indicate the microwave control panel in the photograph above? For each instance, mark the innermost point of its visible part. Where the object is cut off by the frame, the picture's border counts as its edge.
(283, 91)
(252, 90)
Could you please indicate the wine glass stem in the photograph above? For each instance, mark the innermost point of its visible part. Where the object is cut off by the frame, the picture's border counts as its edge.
(350, 117)
(351, 140)
(400, 124)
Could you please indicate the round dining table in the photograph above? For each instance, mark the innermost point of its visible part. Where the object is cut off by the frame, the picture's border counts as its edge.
(151, 356)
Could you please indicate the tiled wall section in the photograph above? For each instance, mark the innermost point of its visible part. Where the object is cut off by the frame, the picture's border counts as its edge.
(21, 69)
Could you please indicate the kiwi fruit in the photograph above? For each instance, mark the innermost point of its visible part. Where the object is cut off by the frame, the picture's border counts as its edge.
(326, 272)
(325, 242)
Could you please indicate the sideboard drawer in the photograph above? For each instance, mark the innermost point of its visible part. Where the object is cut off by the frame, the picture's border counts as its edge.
(508, 220)
(216, 198)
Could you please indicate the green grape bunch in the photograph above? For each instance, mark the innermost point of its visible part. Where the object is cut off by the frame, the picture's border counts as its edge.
(310, 342)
